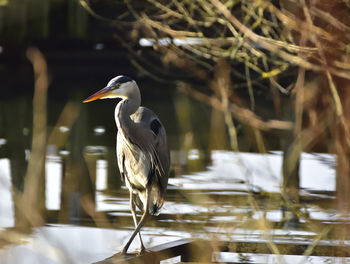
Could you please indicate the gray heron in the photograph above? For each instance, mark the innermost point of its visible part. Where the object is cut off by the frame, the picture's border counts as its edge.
(142, 151)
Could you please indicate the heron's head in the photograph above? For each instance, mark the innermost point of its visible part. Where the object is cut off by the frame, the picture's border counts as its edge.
(119, 87)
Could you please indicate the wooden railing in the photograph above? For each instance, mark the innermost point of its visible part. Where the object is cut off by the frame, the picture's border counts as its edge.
(202, 251)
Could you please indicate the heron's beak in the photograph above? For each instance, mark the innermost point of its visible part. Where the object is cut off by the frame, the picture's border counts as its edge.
(98, 95)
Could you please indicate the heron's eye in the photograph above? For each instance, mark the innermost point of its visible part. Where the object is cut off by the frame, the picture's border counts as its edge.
(116, 86)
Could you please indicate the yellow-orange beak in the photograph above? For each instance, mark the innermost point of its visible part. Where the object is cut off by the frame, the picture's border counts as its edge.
(98, 95)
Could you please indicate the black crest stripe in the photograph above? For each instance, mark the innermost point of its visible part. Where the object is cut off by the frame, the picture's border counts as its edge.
(123, 79)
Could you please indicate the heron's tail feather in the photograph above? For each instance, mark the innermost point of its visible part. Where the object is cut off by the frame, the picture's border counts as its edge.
(155, 204)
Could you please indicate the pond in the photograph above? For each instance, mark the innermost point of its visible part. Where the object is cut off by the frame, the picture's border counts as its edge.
(230, 199)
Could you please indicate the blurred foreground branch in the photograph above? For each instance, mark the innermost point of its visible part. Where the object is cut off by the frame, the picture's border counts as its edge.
(30, 203)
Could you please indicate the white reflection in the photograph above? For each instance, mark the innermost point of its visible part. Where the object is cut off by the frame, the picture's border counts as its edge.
(171, 260)
(149, 42)
(193, 154)
(257, 172)
(6, 203)
(63, 152)
(99, 46)
(96, 150)
(53, 183)
(64, 129)
(26, 131)
(322, 165)
(101, 175)
(99, 130)
(3, 141)
(27, 154)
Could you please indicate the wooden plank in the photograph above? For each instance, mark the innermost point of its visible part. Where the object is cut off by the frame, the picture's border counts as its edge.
(286, 248)
(153, 254)
(201, 251)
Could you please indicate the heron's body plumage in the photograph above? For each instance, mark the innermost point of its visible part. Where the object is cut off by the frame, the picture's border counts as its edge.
(145, 165)
(142, 150)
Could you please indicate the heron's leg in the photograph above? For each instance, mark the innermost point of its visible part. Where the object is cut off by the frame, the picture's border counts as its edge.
(140, 224)
(132, 208)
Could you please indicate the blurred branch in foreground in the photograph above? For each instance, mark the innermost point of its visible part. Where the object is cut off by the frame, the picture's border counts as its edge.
(30, 203)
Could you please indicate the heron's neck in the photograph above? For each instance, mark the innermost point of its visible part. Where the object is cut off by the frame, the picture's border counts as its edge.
(124, 109)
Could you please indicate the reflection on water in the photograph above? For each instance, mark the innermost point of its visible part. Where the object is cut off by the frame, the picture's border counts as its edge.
(227, 201)
(6, 203)
(53, 182)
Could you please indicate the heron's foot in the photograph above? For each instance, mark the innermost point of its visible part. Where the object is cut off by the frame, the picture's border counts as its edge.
(141, 251)
(122, 255)
(124, 252)
(137, 252)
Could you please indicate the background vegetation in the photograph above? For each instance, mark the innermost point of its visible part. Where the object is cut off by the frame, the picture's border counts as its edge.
(276, 73)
